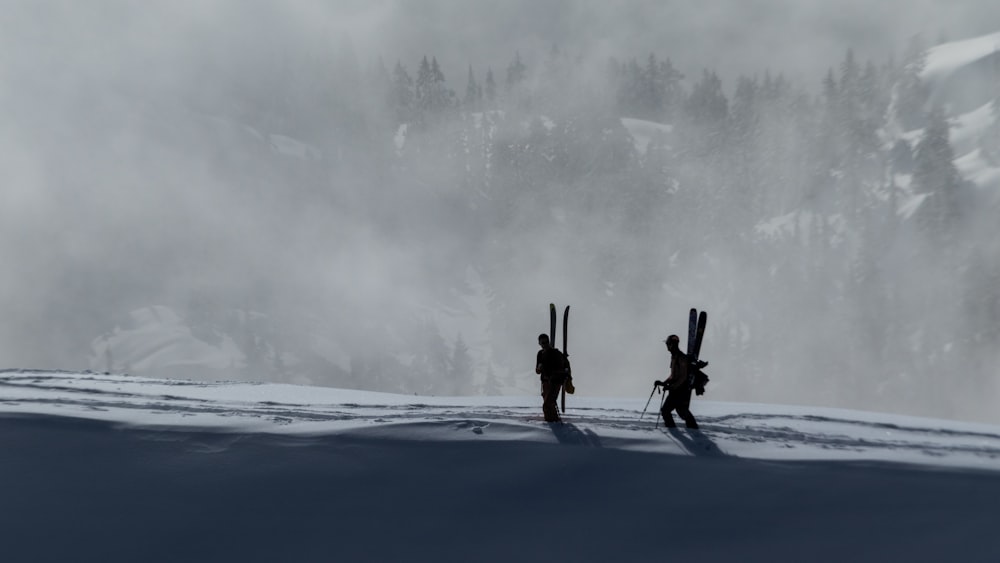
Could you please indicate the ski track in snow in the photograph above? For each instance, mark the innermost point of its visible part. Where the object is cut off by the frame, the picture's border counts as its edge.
(740, 434)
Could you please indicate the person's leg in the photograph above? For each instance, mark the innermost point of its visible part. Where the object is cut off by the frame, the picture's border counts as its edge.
(684, 410)
(549, 407)
(668, 405)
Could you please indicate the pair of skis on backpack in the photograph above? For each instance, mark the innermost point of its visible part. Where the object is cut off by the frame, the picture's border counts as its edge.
(568, 385)
(697, 379)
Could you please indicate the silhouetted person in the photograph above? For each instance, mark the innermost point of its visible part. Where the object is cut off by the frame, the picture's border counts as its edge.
(553, 368)
(677, 385)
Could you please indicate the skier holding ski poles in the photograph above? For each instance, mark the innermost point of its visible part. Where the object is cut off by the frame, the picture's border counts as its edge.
(677, 386)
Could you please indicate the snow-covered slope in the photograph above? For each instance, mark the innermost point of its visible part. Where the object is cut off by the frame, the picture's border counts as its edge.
(962, 74)
(156, 341)
(645, 132)
(115, 468)
(946, 58)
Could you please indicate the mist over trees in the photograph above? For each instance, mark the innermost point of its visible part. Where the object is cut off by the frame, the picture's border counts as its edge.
(846, 299)
(838, 268)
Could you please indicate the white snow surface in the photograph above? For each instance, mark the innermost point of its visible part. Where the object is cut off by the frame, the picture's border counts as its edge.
(944, 59)
(643, 132)
(294, 148)
(111, 467)
(975, 168)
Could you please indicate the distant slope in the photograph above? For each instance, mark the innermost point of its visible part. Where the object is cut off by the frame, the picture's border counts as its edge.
(728, 429)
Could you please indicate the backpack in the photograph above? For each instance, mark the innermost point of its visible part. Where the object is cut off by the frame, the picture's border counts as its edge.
(698, 381)
(554, 361)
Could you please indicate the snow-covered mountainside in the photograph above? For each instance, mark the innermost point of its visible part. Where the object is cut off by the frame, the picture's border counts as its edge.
(156, 341)
(961, 72)
(116, 468)
(961, 75)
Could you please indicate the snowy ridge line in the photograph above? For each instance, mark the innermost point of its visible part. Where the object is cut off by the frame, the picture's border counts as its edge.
(728, 429)
(790, 435)
(872, 424)
(11, 374)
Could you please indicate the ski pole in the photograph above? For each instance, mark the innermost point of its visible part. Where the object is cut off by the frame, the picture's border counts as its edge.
(660, 412)
(647, 401)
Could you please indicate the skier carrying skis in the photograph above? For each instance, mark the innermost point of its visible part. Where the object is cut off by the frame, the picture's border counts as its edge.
(678, 386)
(553, 368)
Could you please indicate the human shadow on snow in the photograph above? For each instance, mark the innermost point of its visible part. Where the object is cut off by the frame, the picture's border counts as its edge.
(694, 442)
(568, 434)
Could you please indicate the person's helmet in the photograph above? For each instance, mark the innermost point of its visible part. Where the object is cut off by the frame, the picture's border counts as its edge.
(673, 339)
(543, 338)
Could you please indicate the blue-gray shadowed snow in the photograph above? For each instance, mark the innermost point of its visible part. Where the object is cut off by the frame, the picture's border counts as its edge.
(111, 468)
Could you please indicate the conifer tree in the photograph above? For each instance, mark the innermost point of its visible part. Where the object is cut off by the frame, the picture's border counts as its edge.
(745, 135)
(431, 94)
(936, 176)
(460, 368)
(670, 88)
(491, 385)
(707, 103)
(911, 93)
(473, 93)
(652, 90)
(707, 113)
(989, 142)
(380, 83)
(491, 90)
(516, 72)
(440, 96)
(402, 91)
(630, 90)
(423, 84)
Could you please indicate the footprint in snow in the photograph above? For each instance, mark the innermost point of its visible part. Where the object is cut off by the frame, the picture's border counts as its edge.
(476, 427)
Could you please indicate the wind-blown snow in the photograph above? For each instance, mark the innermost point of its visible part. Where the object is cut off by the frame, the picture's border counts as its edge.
(399, 140)
(968, 127)
(158, 342)
(467, 319)
(910, 205)
(101, 467)
(644, 132)
(944, 59)
(978, 170)
(291, 147)
(800, 223)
